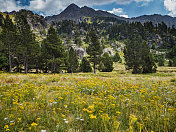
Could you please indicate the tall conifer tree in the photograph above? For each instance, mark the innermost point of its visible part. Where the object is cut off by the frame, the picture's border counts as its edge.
(55, 49)
(138, 56)
(28, 48)
(9, 39)
(73, 61)
(94, 49)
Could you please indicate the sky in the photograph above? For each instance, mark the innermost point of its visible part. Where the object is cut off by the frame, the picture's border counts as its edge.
(125, 8)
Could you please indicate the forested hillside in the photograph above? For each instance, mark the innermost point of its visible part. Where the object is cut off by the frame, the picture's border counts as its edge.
(32, 43)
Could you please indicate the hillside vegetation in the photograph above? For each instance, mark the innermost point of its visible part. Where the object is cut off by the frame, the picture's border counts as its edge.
(32, 36)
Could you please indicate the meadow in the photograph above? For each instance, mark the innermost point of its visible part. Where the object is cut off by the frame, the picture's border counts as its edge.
(85, 102)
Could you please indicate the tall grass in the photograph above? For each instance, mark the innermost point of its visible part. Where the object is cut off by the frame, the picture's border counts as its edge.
(105, 102)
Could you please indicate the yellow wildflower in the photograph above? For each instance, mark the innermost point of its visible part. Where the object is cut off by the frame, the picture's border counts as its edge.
(92, 116)
(38, 119)
(33, 124)
(6, 126)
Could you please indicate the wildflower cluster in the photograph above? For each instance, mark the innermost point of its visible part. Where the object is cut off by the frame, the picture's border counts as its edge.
(91, 103)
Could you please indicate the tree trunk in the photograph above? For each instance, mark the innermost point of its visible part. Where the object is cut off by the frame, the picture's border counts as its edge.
(37, 70)
(71, 68)
(10, 60)
(18, 67)
(26, 66)
(53, 65)
(94, 69)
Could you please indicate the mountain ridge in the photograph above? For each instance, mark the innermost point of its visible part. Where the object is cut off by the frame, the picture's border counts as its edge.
(76, 13)
(155, 19)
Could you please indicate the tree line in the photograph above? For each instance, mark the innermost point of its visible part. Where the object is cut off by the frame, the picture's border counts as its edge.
(20, 52)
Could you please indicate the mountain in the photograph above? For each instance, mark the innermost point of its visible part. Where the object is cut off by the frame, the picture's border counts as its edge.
(73, 12)
(155, 19)
(76, 13)
(36, 22)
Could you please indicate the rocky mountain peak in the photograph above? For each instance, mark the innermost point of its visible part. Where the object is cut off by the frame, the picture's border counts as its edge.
(72, 7)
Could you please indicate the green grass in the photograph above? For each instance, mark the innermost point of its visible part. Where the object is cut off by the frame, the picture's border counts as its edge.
(84, 102)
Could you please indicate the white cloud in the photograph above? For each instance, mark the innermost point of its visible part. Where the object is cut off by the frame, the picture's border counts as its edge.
(47, 7)
(126, 16)
(50, 7)
(9, 5)
(129, 1)
(116, 11)
(170, 5)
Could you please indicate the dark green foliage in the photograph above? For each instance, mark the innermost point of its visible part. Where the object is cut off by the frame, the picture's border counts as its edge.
(73, 61)
(85, 65)
(172, 56)
(8, 37)
(53, 47)
(94, 49)
(160, 60)
(78, 41)
(149, 65)
(28, 48)
(117, 58)
(138, 56)
(3, 62)
(1, 20)
(106, 64)
(20, 50)
(172, 62)
(66, 27)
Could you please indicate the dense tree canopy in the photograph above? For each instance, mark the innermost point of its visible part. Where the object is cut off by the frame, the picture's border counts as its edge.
(138, 57)
(55, 51)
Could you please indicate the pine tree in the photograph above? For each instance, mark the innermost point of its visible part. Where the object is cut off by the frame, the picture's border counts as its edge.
(3, 58)
(28, 48)
(85, 65)
(94, 49)
(172, 56)
(73, 61)
(138, 56)
(44, 57)
(8, 37)
(106, 64)
(116, 57)
(55, 49)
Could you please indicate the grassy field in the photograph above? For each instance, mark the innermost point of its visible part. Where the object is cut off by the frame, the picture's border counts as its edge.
(104, 102)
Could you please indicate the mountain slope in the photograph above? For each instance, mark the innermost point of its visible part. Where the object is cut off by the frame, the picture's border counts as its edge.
(73, 12)
(155, 19)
